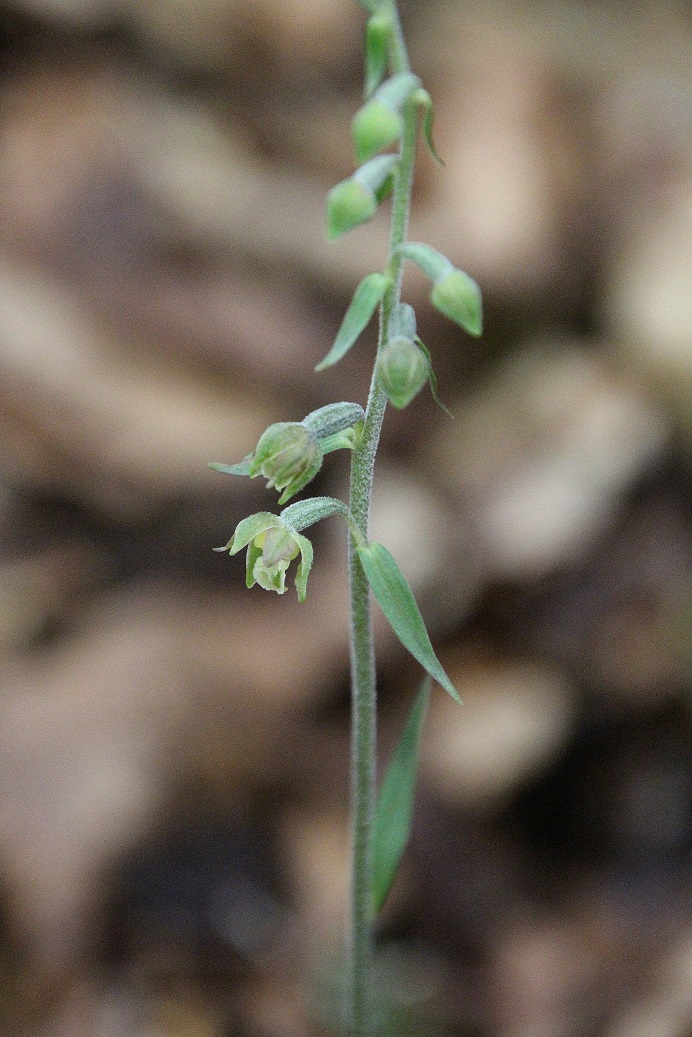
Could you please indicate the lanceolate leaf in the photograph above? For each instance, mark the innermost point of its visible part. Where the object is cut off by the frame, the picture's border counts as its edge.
(425, 101)
(395, 598)
(395, 802)
(432, 380)
(365, 301)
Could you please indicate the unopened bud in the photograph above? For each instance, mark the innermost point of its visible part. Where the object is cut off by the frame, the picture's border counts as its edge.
(375, 126)
(288, 455)
(458, 296)
(348, 205)
(379, 123)
(403, 370)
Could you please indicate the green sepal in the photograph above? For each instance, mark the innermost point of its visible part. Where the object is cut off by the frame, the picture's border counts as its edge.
(454, 293)
(377, 36)
(424, 101)
(355, 200)
(242, 468)
(402, 369)
(253, 554)
(394, 808)
(367, 296)
(250, 528)
(395, 598)
(375, 127)
(306, 512)
(432, 380)
(304, 567)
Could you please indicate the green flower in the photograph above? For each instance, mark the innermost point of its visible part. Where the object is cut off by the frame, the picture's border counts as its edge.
(272, 544)
(289, 456)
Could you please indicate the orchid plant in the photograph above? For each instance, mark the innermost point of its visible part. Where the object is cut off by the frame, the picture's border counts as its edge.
(386, 129)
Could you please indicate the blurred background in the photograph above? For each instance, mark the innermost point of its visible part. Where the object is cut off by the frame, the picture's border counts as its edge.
(173, 747)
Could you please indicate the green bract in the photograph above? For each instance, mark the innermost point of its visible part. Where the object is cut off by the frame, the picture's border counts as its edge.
(403, 370)
(288, 455)
(367, 297)
(395, 598)
(272, 544)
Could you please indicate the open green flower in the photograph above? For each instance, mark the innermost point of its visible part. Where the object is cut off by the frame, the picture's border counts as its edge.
(272, 544)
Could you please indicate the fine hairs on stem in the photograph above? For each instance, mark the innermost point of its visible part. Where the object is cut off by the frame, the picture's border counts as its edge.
(289, 455)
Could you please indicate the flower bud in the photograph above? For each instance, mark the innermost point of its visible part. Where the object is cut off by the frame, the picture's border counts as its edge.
(288, 455)
(348, 205)
(379, 123)
(454, 293)
(354, 201)
(375, 126)
(403, 370)
(458, 296)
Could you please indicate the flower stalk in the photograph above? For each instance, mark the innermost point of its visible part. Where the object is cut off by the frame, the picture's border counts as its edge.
(290, 454)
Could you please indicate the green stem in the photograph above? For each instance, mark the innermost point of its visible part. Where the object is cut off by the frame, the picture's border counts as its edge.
(363, 675)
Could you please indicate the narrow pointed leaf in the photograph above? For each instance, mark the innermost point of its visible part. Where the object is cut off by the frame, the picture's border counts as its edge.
(242, 468)
(395, 598)
(365, 301)
(394, 808)
(425, 101)
(432, 380)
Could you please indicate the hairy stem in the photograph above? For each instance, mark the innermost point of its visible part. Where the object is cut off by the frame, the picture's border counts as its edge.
(363, 675)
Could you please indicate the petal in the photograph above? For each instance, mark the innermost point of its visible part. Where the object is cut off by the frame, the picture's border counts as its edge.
(304, 567)
(251, 527)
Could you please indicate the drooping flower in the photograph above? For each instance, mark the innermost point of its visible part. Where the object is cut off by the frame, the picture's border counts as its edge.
(272, 544)
(288, 455)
